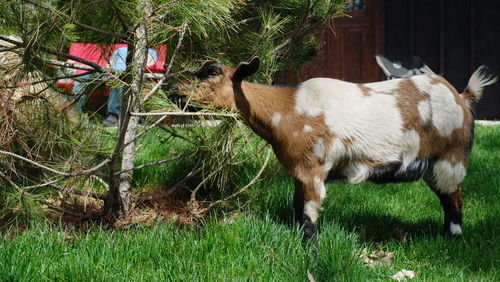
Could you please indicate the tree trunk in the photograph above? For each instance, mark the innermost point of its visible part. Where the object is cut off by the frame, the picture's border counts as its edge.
(119, 204)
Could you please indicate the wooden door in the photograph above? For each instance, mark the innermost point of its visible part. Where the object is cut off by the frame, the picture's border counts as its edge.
(349, 46)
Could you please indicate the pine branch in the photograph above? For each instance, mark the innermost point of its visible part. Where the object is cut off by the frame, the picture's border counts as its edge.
(50, 205)
(244, 188)
(170, 64)
(194, 172)
(73, 21)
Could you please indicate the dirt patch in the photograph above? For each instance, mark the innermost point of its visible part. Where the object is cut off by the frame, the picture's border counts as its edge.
(84, 212)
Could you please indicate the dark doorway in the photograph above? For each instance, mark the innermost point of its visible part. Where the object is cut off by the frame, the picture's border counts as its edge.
(454, 38)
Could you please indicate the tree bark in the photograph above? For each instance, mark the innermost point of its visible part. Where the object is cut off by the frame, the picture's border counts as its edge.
(120, 201)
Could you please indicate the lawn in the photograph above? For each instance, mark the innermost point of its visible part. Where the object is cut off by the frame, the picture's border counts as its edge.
(261, 242)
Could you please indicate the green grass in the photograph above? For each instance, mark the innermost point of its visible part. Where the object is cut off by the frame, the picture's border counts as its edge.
(263, 243)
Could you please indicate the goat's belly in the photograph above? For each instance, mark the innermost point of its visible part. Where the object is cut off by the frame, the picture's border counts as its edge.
(390, 173)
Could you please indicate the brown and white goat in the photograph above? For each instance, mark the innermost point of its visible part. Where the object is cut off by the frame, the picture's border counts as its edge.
(391, 131)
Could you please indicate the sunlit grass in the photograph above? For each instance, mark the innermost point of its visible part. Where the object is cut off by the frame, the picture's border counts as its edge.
(261, 241)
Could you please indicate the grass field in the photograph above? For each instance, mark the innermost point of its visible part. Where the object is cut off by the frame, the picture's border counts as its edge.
(261, 242)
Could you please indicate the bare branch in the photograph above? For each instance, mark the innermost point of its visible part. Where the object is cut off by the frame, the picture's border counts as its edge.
(51, 79)
(79, 193)
(33, 162)
(185, 114)
(57, 53)
(68, 65)
(52, 206)
(64, 174)
(45, 183)
(145, 130)
(100, 180)
(158, 162)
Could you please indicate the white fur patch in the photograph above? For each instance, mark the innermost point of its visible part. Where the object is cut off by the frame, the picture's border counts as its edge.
(424, 108)
(423, 83)
(478, 81)
(411, 147)
(373, 121)
(319, 187)
(356, 173)
(455, 229)
(387, 86)
(445, 113)
(312, 210)
(307, 128)
(319, 148)
(276, 119)
(448, 176)
(336, 152)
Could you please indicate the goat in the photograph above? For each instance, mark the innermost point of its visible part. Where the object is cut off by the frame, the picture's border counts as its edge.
(325, 129)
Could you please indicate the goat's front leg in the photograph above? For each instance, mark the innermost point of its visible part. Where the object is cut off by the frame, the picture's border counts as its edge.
(307, 202)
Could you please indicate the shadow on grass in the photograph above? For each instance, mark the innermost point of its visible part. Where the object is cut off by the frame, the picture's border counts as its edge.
(476, 251)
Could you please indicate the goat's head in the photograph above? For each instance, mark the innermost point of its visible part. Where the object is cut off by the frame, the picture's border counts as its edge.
(213, 84)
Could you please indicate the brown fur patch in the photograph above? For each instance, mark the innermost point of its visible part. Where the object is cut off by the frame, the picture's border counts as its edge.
(365, 90)
(407, 100)
(432, 144)
(457, 199)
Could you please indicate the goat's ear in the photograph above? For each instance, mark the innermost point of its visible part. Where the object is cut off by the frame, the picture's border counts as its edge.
(246, 69)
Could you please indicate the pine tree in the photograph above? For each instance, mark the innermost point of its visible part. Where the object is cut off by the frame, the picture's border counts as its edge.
(280, 32)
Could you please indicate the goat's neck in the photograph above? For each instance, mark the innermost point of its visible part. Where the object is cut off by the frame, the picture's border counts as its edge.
(258, 103)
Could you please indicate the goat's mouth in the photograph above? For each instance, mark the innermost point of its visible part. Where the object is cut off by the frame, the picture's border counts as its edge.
(175, 95)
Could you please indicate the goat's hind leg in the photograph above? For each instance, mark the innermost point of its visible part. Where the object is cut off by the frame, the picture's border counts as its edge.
(444, 180)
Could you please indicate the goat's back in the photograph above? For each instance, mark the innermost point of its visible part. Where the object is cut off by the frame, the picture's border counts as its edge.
(401, 121)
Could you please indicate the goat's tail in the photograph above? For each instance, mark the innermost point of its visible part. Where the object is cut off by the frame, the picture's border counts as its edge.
(478, 80)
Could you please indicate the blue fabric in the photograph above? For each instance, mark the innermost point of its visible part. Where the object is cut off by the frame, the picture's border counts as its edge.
(118, 63)
(79, 87)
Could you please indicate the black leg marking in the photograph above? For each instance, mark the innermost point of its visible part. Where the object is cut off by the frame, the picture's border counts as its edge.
(303, 215)
(298, 202)
(452, 207)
